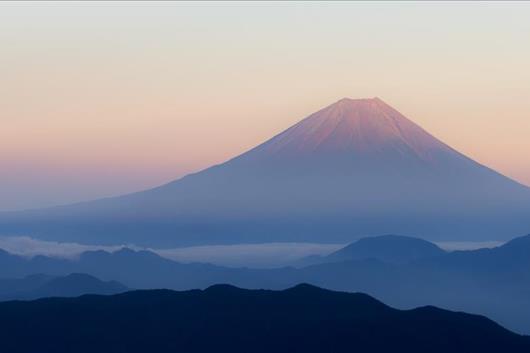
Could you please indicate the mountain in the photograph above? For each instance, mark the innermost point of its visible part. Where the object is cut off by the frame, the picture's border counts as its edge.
(41, 286)
(397, 249)
(223, 318)
(387, 248)
(357, 167)
(74, 285)
(12, 287)
(512, 258)
(492, 282)
(136, 269)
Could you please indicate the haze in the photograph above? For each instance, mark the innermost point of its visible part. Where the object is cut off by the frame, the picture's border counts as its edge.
(100, 99)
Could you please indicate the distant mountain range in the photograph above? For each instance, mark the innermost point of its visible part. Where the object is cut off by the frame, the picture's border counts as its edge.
(357, 167)
(42, 286)
(223, 318)
(493, 282)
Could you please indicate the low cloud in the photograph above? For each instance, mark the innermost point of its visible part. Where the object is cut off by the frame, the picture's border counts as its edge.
(29, 247)
(251, 255)
(266, 255)
(468, 245)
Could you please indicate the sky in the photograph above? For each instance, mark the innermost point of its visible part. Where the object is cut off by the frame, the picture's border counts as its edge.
(101, 98)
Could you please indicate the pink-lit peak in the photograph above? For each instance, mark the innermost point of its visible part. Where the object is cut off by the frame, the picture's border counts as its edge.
(356, 126)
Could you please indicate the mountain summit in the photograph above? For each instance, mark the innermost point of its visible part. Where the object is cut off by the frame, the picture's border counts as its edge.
(363, 136)
(356, 167)
(359, 126)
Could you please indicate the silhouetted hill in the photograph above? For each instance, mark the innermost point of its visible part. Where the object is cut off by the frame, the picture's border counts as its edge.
(41, 286)
(387, 248)
(223, 318)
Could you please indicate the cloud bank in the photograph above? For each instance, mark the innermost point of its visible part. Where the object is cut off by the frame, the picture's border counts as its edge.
(251, 255)
(266, 255)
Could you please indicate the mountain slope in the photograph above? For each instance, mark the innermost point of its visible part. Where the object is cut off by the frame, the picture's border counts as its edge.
(41, 286)
(74, 285)
(387, 248)
(393, 249)
(356, 167)
(10, 288)
(227, 319)
(136, 269)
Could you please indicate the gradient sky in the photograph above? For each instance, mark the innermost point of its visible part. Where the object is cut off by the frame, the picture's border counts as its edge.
(99, 99)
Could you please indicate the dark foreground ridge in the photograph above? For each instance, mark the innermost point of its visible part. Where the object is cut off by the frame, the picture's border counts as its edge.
(224, 318)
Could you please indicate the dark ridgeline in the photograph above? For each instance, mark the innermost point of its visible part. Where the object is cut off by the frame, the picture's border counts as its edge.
(492, 282)
(227, 319)
(354, 168)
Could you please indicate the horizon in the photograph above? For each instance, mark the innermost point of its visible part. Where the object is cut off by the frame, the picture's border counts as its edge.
(131, 96)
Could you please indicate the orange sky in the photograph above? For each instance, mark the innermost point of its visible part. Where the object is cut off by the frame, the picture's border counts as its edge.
(100, 99)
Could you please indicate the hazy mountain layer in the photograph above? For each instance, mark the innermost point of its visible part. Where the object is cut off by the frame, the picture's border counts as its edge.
(492, 282)
(41, 286)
